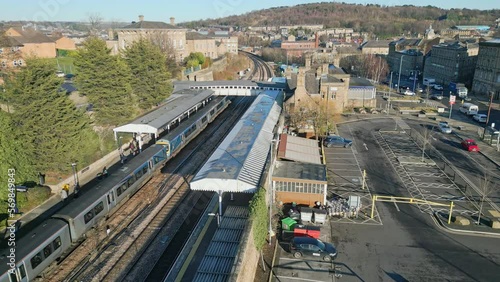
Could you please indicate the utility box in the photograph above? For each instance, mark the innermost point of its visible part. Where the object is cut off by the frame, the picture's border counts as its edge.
(319, 216)
(306, 214)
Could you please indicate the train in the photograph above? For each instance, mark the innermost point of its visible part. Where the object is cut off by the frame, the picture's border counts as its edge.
(25, 258)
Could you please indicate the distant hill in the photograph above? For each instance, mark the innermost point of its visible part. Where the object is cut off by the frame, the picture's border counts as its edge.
(380, 20)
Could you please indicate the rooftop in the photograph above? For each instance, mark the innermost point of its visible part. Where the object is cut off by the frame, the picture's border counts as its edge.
(150, 25)
(377, 44)
(196, 36)
(359, 81)
(303, 171)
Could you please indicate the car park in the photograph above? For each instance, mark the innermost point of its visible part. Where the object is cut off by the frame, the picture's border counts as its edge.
(444, 127)
(470, 145)
(311, 247)
(480, 118)
(336, 141)
(438, 87)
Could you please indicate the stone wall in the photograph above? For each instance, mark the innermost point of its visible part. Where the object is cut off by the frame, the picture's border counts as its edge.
(247, 260)
(207, 74)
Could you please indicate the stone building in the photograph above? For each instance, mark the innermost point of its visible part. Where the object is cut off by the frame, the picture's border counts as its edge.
(163, 33)
(452, 62)
(378, 47)
(206, 45)
(487, 74)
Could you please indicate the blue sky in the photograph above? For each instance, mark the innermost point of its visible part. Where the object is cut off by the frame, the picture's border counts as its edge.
(182, 10)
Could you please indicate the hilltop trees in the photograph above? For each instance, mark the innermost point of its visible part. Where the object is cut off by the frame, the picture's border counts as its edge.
(150, 79)
(104, 79)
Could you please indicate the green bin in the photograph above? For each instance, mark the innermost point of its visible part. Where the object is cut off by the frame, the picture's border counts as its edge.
(287, 224)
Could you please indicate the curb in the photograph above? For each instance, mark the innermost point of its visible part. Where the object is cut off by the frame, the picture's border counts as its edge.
(480, 152)
(365, 119)
(274, 259)
(462, 232)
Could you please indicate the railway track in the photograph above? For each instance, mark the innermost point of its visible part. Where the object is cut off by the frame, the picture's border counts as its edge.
(262, 71)
(140, 221)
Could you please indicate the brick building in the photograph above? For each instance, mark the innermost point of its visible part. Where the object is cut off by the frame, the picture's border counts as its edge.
(30, 43)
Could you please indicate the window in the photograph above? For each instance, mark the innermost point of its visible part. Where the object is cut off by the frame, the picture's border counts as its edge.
(47, 251)
(119, 191)
(36, 260)
(88, 217)
(56, 243)
(131, 181)
(22, 271)
(204, 119)
(138, 174)
(145, 169)
(98, 208)
(212, 112)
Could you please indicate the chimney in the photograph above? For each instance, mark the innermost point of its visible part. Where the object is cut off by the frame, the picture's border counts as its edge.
(172, 20)
(141, 18)
(316, 45)
(111, 34)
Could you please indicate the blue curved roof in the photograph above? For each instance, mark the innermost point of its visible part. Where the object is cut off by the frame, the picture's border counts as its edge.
(238, 162)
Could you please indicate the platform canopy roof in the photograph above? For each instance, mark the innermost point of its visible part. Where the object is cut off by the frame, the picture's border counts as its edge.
(238, 162)
(175, 107)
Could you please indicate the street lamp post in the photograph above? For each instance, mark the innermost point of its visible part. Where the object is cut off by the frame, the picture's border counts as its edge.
(389, 100)
(271, 192)
(75, 176)
(400, 65)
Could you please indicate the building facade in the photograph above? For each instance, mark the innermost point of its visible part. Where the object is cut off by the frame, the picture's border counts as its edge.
(160, 32)
(196, 42)
(452, 62)
(378, 47)
(487, 74)
(30, 43)
(405, 56)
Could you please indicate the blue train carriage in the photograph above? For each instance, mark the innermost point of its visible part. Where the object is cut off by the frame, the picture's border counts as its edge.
(176, 139)
(35, 251)
(86, 211)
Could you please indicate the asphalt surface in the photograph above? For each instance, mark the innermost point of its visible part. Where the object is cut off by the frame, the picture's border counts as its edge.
(409, 246)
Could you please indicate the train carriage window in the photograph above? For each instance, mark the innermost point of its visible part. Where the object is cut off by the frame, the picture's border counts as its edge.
(88, 217)
(145, 169)
(124, 187)
(98, 208)
(204, 119)
(131, 181)
(47, 251)
(36, 260)
(22, 271)
(56, 243)
(13, 277)
(212, 112)
(138, 174)
(119, 191)
(219, 106)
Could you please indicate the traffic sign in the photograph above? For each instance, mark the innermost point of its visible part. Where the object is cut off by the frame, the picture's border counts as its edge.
(452, 99)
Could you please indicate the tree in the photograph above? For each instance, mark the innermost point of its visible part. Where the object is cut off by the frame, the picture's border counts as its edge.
(165, 44)
(104, 79)
(194, 59)
(13, 155)
(485, 187)
(426, 139)
(53, 133)
(313, 113)
(150, 79)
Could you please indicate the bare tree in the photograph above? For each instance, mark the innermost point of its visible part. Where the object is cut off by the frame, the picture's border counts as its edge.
(426, 139)
(95, 24)
(485, 187)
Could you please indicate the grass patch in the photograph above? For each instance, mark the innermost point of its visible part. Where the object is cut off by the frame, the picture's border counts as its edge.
(26, 201)
(64, 64)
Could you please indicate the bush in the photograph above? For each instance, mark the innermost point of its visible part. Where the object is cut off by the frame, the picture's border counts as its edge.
(260, 217)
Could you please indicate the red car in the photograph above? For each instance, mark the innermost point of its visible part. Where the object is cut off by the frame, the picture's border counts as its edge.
(470, 145)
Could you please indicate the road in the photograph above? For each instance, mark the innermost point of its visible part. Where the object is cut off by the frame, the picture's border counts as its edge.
(408, 246)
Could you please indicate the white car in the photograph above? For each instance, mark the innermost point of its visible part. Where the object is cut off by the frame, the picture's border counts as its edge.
(409, 93)
(480, 118)
(438, 87)
(444, 127)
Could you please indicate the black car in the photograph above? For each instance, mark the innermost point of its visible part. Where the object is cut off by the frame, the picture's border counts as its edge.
(311, 247)
(437, 97)
(336, 141)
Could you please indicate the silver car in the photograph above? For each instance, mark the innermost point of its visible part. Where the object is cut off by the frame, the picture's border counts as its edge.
(444, 127)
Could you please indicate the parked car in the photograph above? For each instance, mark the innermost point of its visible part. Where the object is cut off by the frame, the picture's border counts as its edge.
(437, 97)
(420, 90)
(336, 141)
(59, 74)
(480, 118)
(409, 93)
(444, 127)
(438, 87)
(311, 247)
(470, 145)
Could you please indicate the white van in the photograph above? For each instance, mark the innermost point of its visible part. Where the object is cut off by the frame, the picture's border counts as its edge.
(469, 109)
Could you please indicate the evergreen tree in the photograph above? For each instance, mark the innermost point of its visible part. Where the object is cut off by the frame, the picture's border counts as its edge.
(50, 128)
(150, 77)
(13, 156)
(104, 79)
